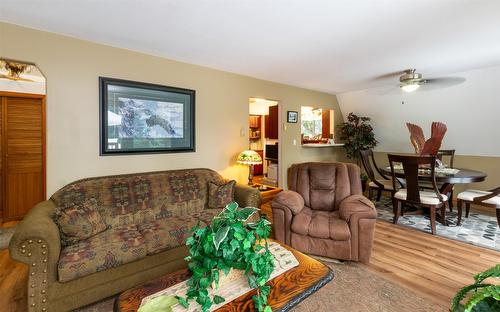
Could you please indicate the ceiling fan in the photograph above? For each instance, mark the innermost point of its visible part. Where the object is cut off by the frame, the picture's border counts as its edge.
(15, 69)
(410, 80)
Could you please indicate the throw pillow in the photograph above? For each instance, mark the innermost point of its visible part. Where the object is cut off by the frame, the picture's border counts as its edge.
(79, 222)
(220, 195)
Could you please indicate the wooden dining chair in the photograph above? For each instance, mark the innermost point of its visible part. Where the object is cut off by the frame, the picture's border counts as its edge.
(380, 185)
(412, 194)
(489, 199)
(447, 153)
(439, 155)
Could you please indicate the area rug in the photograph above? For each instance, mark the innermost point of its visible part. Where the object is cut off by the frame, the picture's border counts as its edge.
(478, 229)
(354, 289)
(5, 236)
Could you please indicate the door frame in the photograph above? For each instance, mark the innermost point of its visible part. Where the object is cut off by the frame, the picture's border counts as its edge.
(280, 135)
(42, 97)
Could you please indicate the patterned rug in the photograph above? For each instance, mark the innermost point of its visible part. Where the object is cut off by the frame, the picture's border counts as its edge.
(354, 288)
(478, 229)
(5, 236)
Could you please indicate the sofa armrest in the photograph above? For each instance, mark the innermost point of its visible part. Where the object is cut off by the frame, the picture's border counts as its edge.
(37, 243)
(247, 196)
(357, 205)
(289, 199)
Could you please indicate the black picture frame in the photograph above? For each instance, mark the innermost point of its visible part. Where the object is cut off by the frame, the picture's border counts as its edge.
(159, 119)
(292, 116)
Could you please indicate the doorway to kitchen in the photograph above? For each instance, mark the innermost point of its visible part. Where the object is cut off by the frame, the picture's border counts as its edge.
(263, 125)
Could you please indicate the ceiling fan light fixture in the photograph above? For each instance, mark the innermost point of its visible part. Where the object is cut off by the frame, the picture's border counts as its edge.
(410, 87)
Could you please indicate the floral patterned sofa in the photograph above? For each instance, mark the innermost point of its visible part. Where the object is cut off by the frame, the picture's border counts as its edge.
(145, 220)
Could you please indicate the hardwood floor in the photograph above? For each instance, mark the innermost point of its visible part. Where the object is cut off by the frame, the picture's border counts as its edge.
(431, 266)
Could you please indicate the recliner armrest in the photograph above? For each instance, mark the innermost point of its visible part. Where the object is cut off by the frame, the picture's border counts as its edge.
(289, 199)
(357, 204)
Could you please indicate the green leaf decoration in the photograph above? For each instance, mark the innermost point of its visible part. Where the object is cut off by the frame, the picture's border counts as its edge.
(492, 291)
(484, 297)
(159, 304)
(183, 301)
(245, 213)
(218, 299)
(232, 207)
(357, 134)
(491, 272)
(227, 243)
(220, 236)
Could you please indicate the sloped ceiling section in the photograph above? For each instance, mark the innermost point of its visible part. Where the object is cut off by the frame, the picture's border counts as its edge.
(470, 110)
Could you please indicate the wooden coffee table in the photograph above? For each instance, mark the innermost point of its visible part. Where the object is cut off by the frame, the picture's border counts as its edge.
(287, 289)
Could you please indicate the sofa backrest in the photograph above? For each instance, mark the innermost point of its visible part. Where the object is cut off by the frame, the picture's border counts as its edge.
(142, 197)
(323, 185)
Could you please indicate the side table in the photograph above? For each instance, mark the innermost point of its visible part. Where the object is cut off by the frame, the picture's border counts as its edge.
(267, 197)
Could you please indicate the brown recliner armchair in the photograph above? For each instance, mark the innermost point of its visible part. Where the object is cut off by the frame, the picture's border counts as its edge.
(324, 212)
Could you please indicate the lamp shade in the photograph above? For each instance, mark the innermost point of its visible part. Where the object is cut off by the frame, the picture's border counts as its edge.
(249, 158)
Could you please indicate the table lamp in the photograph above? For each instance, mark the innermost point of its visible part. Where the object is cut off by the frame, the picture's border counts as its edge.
(249, 158)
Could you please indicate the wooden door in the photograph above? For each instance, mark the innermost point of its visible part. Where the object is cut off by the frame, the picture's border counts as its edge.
(23, 154)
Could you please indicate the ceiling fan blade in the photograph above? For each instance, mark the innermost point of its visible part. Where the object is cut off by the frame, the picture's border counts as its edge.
(443, 82)
(389, 75)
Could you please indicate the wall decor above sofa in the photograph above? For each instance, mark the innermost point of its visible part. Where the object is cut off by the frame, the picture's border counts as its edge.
(141, 118)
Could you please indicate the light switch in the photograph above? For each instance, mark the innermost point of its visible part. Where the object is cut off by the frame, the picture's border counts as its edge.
(243, 131)
(294, 142)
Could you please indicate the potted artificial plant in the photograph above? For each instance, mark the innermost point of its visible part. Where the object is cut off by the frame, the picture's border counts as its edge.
(357, 135)
(483, 296)
(231, 242)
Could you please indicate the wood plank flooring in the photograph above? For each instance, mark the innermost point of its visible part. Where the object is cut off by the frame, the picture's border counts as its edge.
(431, 266)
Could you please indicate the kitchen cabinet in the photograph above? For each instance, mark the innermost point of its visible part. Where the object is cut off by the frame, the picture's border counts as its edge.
(271, 123)
(254, 121)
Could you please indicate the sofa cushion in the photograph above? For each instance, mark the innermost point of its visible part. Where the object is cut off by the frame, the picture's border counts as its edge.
(106, 250)
(79, 222)
(220, 195)
(142, 197)
(321, 224)
(168, 233)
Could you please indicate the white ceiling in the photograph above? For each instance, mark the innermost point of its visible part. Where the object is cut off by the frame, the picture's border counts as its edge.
(332, 46)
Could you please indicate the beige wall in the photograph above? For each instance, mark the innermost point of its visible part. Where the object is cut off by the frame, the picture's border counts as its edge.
(489, 165)
(72, 68)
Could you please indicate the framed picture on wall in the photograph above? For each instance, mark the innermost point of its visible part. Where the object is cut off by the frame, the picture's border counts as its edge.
(292, 116)
(142, 118)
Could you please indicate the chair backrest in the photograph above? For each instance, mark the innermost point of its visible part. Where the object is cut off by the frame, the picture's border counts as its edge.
(365, 156)
(323, 185)
(450, 153)
(411, 166)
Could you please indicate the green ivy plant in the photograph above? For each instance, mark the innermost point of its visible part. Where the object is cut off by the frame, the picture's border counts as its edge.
(483, 296)
(229, 242)
(357, 135)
